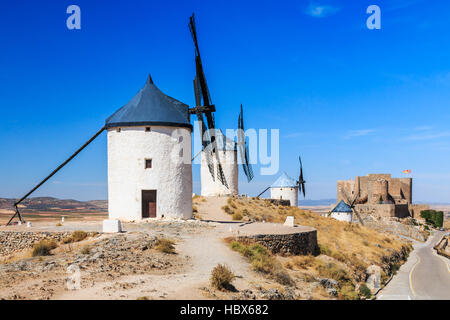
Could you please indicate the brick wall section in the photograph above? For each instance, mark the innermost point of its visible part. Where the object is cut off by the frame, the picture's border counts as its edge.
(301, 243)
(13, 241)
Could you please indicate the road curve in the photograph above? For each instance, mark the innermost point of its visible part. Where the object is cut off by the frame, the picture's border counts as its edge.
(424, 276)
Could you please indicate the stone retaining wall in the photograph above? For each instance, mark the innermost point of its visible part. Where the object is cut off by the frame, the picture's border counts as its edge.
(13, 241)
(301, 243)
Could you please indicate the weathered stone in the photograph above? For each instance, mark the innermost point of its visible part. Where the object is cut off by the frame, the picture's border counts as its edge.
(301, 243)
(289, 221)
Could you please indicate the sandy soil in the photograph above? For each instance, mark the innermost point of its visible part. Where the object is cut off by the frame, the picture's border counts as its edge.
(124, 271)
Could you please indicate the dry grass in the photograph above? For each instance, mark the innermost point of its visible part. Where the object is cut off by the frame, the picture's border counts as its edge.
(76, 236)
(343, 241)
(43, 248)
(85, 250)
(237, 216)
(227, 209)
(347, 250)
(165, 245)
(221, 277)
(262, 261)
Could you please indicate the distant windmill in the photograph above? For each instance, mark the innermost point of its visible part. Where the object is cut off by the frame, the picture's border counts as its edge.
(353, 200)
(286, 188)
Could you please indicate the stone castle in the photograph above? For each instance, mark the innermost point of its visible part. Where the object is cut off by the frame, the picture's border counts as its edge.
(380, 195)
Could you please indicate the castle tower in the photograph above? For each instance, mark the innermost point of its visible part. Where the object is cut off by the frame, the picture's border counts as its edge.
(377, 191)
(227, 153)
(285, 188)
(149, 158)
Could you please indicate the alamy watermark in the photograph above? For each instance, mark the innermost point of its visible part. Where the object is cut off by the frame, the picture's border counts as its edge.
(263, 147)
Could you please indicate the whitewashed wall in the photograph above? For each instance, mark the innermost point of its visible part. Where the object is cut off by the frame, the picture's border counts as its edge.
(342, 216)
(209, 187)
(170, 175)
(285, 193)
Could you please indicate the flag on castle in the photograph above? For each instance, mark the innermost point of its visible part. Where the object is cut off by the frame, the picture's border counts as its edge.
(406, 171)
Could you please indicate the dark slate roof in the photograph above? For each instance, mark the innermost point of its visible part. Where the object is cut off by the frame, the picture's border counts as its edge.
(284, 181)
(342, 207)
(150, 106)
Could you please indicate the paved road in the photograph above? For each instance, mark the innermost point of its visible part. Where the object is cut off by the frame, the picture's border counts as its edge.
(424, 276)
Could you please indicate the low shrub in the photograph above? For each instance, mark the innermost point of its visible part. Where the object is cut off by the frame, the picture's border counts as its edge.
(304, 262)
(165, 245)
(365, 291)
(76, 236)
(263, 261)
(43, 248)
(347, 292)
(237, 216)
(221, 277)
(227, 209)
(333, 271)
(433, 217)
(85, 250)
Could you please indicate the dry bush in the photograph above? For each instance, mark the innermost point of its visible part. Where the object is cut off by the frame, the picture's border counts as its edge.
(76, 236)
(165, 245)
(227, 209)
(262, 261)
(304, 262)
(79, 235)
(231, 203)
(237, 216)
(59, 224)
(85, 250)
(221, 277)
(194, 209)
(351, 244)
(43, 248)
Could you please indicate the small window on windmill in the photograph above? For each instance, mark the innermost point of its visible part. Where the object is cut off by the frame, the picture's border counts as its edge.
(148, 163)
(148, 129)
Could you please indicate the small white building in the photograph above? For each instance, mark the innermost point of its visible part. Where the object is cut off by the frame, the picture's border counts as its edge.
(285, 188)
(149, 158)
(227, 154)
(342, 212)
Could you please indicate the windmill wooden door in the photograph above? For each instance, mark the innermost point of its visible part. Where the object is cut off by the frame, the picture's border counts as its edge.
(148, 203)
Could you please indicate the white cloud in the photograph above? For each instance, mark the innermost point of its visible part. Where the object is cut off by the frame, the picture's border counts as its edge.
(358, 133)
(428, 136)
(321, 10)
(423, 128)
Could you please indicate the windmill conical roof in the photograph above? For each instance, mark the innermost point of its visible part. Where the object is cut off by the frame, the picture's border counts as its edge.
(284, 181)
(150, 106)
(342, 207)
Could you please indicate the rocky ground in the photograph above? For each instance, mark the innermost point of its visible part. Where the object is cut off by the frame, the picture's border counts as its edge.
(394, 226)
(443, 247)
(129, 265)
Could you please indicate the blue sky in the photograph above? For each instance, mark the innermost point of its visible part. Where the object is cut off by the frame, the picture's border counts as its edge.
(350, 100)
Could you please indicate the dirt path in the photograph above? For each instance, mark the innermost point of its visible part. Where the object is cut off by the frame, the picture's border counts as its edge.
(204, 250)
(211, 209)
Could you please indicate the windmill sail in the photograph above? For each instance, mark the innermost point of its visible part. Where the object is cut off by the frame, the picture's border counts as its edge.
(301, 182)
(205, 106)
(243, 148)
